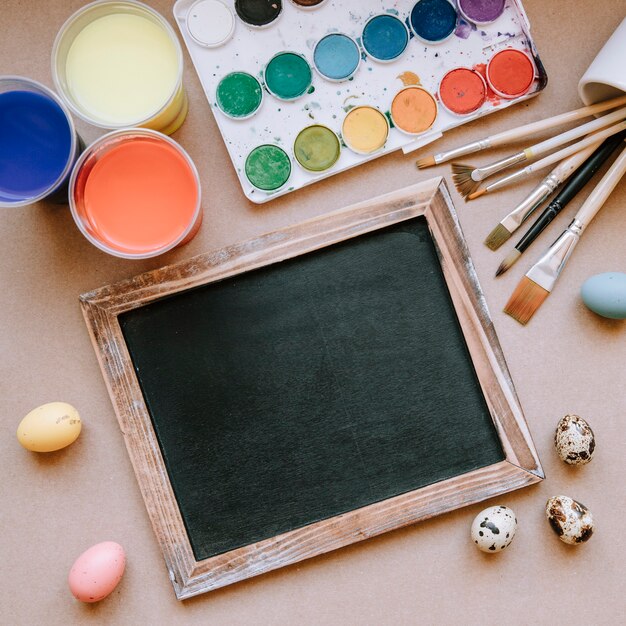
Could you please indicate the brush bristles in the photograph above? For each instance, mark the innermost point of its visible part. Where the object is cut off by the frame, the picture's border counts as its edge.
(497, 237)
(477, 193)
(509, 261)
(462, 178)
(425, 162)
(526, 299)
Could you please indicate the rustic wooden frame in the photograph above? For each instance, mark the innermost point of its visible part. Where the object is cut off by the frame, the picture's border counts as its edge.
(189, 577)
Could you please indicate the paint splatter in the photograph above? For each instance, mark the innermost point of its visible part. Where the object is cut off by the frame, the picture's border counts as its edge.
(409, 78)
(464, 29)
(492, 97)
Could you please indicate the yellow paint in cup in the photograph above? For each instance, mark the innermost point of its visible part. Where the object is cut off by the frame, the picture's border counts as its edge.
(365, 130)
(119, 64)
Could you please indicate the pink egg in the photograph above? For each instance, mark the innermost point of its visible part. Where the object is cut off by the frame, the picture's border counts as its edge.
(97, 571)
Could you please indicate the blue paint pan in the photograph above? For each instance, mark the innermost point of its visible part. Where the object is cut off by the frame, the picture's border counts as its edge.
(433, 21)
(385, 38)
(336, 57)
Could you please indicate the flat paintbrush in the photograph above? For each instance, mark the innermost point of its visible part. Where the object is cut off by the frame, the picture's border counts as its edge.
(576, 182)
(539, 281)
(551, 159)
(521, 132)
(467, 178)
(536, 197)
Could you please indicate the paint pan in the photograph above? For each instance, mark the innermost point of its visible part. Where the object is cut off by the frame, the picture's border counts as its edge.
(308, 4)
(38, 143)
(336, 57)
(433, 21)
(385, 38)
(510, 73)
(239, 95)
(413, 110)
(481, 12)
(210, 23)
(135, 194)
(462, 91)
(268, 167)
(259, 13)
(119, 64)
(365, 130)
(288, 76)
(317, 148)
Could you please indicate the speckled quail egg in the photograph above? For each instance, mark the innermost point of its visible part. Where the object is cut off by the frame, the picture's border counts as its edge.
(570, 520)
(574, 440)
(494, 528)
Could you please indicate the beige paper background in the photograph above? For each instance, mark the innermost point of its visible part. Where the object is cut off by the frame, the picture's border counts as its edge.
(52, 507)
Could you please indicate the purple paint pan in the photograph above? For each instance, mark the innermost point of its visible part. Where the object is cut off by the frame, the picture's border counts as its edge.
(481, 11)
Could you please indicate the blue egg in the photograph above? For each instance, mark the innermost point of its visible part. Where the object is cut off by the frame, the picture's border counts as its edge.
(433, 20)
(336, 56)
(605, 294)
(385, 37)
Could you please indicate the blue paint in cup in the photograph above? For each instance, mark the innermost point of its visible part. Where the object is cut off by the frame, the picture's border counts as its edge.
(433, 21)
(336, 56)
(385, 37)
(38, 143)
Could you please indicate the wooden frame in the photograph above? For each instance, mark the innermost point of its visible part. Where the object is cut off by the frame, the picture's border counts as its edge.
(189, 577)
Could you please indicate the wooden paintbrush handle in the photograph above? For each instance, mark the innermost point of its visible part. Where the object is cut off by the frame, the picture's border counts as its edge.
(601, 192)
(558, 120)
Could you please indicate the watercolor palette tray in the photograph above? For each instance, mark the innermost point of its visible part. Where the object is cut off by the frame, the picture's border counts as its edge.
(245, 52)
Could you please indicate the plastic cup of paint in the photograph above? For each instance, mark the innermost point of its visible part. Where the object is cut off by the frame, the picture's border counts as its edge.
(385, 38)
(258, 13)
(462, 91)
(336, 57)
(135, 194)
(119, 64)
(210, 23)
(433, 21)
(510, 73)
(268, 168)
(413, 110)
(239, 95)
(481, 12)
(288, 76)
(317, 148)
(308, 5)
(38, 143)
(365, 130)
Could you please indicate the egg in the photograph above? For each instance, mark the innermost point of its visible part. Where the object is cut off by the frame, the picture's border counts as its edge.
(494, 528)
(570, 520)
(97, 571)
(49, 427)
(574, 440)
(605, 294)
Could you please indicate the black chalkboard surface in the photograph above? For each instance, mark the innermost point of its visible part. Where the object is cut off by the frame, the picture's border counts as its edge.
(309, 388)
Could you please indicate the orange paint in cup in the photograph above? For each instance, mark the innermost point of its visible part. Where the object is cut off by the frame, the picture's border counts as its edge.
(136, 194)
(462, 91)
(413, 110)
(510, 73)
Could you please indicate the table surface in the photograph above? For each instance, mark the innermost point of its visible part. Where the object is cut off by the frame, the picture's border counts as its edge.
(567, 360)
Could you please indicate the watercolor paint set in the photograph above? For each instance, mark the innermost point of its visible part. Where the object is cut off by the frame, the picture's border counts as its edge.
(304, 89)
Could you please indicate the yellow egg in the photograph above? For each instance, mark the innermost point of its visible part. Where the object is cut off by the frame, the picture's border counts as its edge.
(49, 427)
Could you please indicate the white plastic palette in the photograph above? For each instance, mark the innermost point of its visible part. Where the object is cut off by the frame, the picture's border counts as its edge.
(279, 122)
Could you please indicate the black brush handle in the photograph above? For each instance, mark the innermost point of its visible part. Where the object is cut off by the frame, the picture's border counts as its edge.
(577, 181)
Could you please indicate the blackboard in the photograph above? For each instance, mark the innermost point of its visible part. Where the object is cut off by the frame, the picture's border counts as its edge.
(309, 388)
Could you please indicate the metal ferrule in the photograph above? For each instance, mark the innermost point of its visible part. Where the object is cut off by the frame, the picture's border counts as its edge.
(468, 148)
(533, 200)
(481, 173)
(547, 269)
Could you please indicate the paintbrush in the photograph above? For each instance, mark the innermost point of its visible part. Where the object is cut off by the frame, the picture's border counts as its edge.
(536, 197)
(467, 178)
(521, 132)
(551, 159)
(539, 281)
(577, 181)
